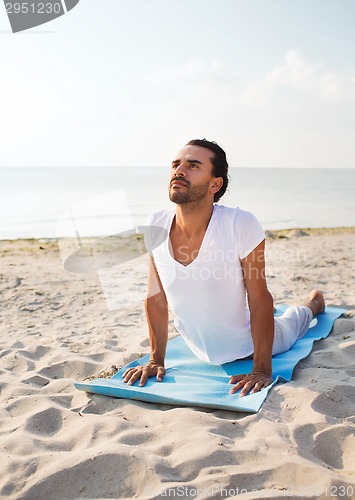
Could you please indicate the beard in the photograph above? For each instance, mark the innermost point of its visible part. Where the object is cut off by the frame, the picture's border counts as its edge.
(189, 194)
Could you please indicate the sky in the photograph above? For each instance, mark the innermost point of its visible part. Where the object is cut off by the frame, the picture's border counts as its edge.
(129, 82)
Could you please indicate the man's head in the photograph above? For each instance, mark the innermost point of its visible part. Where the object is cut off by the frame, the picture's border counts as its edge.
(219, 163)
(200, 170)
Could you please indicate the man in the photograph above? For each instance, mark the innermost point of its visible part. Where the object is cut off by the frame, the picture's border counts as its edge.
(210, 270)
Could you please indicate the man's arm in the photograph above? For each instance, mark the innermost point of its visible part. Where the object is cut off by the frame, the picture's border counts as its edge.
(156, 310)
(261, 322)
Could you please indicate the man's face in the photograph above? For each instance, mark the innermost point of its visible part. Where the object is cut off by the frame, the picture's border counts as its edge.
(191, 175)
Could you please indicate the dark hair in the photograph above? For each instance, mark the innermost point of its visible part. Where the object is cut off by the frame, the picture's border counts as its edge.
(219, 163)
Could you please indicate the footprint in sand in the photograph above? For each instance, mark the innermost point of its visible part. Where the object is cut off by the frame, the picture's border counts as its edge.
(98, 476)
(338, 402)
(73, 369)
(336, 447)
(45, 423)
(348, 349)
(14, 362)
(35, 353)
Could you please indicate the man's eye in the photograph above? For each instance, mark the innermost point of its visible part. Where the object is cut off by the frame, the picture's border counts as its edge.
(193, 165)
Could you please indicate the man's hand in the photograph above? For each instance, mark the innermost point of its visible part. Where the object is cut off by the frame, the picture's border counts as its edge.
(144, 372)
(253, 382)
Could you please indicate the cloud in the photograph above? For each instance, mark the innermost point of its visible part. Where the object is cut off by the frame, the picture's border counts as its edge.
(296, 74)
(299, 113)
(305, 76)
(193, 73)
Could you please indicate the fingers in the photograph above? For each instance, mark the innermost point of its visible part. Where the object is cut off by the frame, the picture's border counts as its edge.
(250, 383)
(128, 372)
(247, 387)
(131, 375)
(237, 378)
(259, 386)
(242, 384)
(149, 371)
(146, 373)
(160, 374)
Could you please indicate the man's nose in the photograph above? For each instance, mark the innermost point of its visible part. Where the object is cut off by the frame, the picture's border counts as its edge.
(180, 170)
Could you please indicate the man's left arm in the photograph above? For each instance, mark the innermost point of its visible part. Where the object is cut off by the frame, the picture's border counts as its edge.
(261, 322)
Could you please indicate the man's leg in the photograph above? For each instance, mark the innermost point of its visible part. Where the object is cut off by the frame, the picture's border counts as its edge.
(294, 323)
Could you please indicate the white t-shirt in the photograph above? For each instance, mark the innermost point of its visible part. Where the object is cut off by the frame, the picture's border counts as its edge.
(208, 296)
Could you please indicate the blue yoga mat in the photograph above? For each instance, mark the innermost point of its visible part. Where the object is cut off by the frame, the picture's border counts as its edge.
(192, 382)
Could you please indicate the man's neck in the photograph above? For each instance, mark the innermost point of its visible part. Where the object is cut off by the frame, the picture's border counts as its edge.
(192, 220)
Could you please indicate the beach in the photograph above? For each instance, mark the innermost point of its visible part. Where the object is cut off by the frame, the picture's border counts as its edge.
(59, 327)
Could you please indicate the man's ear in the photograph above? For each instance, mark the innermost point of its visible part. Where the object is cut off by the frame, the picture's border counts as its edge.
(216, 184)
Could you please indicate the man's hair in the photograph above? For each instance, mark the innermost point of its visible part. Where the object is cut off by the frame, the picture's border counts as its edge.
(219, 163)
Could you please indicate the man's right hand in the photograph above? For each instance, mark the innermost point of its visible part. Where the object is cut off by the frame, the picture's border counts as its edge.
(144, 372)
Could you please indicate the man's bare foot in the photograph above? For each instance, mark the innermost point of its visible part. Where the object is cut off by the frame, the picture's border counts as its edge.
(316, 302)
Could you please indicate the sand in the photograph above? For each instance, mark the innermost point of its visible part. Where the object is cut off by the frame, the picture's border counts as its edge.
(56, 442)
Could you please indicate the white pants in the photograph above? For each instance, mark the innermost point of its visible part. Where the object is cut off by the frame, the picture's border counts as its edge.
(289, 327)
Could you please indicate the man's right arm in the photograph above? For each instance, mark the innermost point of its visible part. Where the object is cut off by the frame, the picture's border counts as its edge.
(156, 310)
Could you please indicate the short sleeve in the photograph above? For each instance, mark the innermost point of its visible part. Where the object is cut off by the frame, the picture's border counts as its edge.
(249, 232)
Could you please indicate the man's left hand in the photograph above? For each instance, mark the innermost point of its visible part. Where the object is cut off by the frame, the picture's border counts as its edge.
(253, 382)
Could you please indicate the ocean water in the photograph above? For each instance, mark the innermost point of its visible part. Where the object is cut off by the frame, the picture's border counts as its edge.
(58, 202)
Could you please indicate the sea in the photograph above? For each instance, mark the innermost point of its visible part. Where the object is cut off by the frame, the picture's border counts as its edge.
(55, 202)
